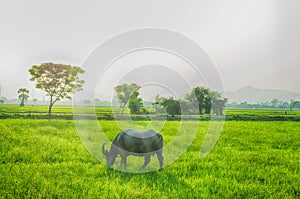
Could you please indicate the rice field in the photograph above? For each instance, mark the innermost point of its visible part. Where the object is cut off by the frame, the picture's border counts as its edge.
(252, 159)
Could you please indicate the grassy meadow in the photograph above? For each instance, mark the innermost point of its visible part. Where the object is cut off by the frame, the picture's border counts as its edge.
(252, 159)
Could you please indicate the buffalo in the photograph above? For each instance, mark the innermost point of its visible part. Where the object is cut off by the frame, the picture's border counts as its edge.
(135, 142)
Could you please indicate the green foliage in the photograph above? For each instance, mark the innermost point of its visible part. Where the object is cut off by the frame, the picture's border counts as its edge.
(202, 99)
(59, 81)
(41, 159)
(206, 100)
(218, 104)
(273, 104)
(159, 109)
(293, 104)
(172, 106)
(23, 95)
(199, 100)
(136, 104)
(124, 92)
(2, 100)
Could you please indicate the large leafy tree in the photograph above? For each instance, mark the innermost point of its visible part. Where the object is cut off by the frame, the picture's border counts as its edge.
(204, 100)
(59, 81)
(200, 97)
(124, 92)
(23, 95)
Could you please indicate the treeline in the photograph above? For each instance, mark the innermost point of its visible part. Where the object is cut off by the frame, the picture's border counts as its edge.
(273, 104)
(200, 100)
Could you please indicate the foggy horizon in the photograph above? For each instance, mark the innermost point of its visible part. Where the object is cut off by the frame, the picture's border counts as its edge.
(251, 43)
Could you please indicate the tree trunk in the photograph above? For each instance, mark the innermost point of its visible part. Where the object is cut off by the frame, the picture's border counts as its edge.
(200, 109)
(50, 108)
(119, 109)
(123, 107)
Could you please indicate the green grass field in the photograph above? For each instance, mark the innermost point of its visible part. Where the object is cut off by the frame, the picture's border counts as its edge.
(252, 159)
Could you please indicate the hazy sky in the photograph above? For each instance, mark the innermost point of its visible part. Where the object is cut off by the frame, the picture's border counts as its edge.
(253, 43)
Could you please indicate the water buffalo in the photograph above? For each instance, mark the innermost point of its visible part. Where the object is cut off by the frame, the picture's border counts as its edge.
(135, 142)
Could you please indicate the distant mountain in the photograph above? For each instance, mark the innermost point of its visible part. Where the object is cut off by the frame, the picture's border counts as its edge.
(253, 95)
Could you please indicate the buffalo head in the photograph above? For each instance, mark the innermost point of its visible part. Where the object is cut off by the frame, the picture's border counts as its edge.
(110, 157)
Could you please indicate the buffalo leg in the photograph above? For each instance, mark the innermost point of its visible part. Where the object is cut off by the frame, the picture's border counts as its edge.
(124, 161)
(147, 160)
(160, 159)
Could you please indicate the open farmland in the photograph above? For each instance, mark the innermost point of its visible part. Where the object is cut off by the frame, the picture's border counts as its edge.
(252, 159)
(109, 113)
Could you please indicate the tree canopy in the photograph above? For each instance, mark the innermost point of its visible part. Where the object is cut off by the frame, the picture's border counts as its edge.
(23, 95)
(218, 103)
(124, 92)
(201, 97)
(205, 100)
(200, 100)
(59, 81)
(293, 103)
(136, 104)
(171, 105)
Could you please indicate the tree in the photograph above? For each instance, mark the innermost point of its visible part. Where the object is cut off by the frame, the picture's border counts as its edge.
(215, 98)
(87, 102)
(207, 102)
(171, 105)
(204, 100)
(218, 105)
(285, 104)
(200, 96)
(292, 104)
(1, 100)
(275, 102)
(135, 104)
(97, 102)
(35, 101)
(23, 95)
(124, 93)
(157, 105)
(59, 81)
(186, 107)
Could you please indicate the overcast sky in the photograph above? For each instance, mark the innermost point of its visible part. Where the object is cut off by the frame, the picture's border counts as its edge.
(252, 43)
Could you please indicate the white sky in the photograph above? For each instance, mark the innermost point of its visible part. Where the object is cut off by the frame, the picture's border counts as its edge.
(253, 43)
